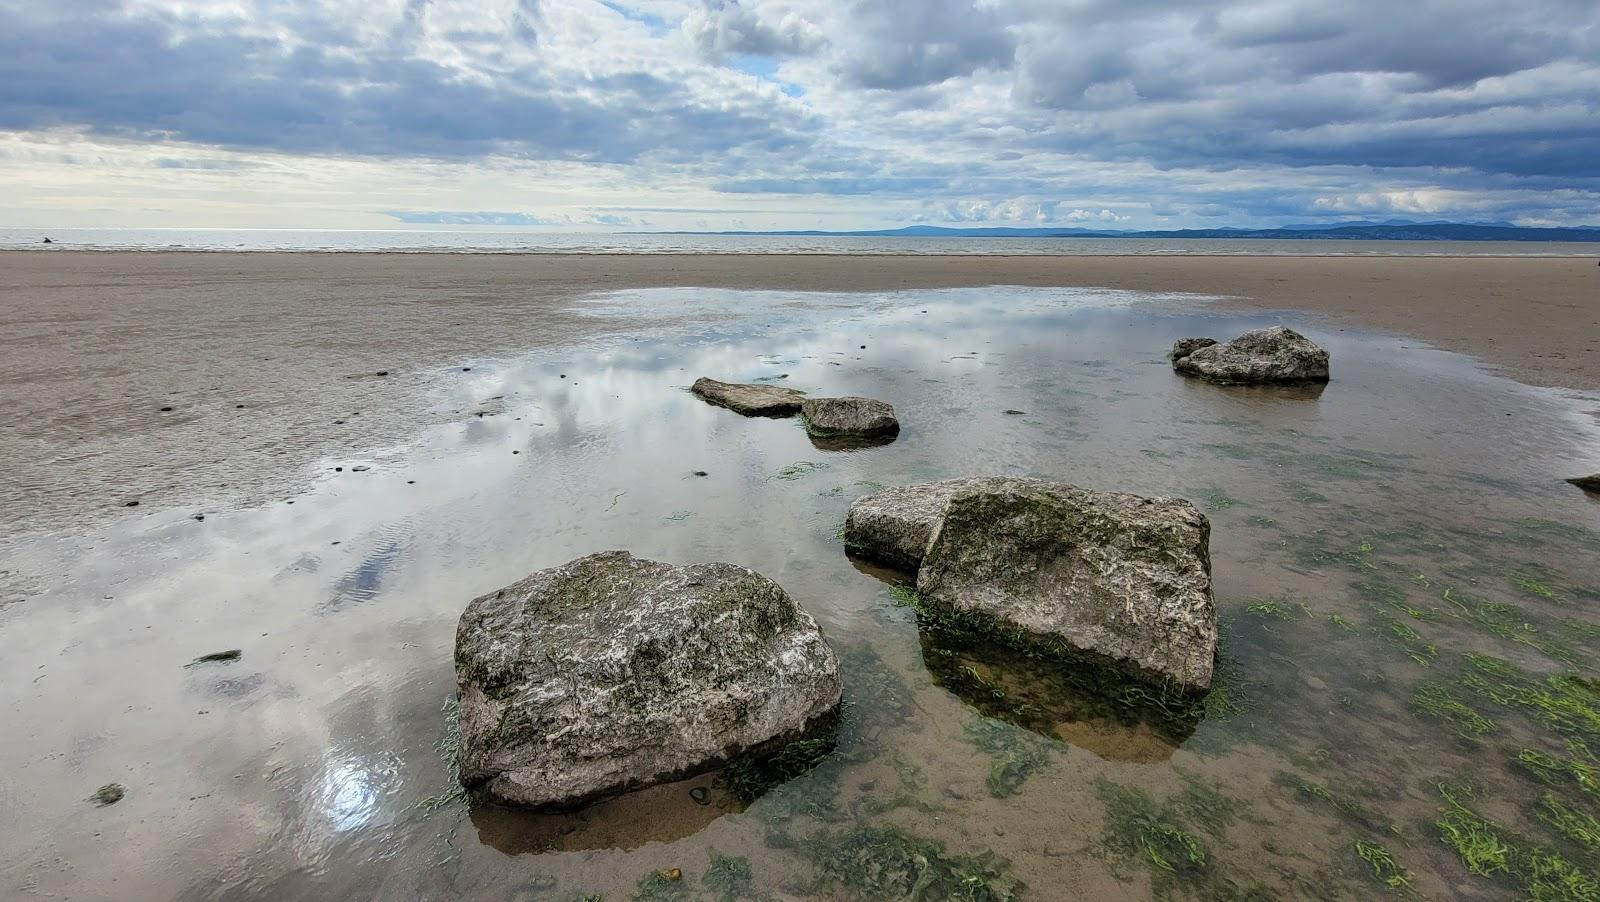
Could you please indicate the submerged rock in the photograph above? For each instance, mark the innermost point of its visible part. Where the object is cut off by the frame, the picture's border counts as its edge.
(893, 526)
(1587, 483)
(611, 673)
(109, 794)
(849, 417)
(748, 399)
(1066, 570)
(1183, 347)
(1270, 355)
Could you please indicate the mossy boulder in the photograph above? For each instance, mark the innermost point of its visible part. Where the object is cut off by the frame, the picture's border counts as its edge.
(752, 400)
(893, 526)
(612, 673)
(1275, 355)
(1119, 577)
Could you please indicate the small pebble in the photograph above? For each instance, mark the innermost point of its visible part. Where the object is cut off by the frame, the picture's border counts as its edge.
(700, 794)
(671, 874)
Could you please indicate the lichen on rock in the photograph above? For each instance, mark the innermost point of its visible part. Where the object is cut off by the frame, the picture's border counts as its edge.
(612, 673)
(1275, 355)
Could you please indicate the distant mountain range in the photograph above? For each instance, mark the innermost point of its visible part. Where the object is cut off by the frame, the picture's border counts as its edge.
(1390, 230)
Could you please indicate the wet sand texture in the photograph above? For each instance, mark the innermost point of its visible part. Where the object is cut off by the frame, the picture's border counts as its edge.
(269, 361)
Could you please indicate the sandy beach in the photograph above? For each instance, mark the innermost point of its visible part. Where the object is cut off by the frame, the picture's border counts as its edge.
(1375, 544)
(269, 360)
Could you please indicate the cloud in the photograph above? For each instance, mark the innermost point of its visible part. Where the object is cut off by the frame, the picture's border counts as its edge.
(486, 218)
(416, 79)
(723, 28)
(1158, 112)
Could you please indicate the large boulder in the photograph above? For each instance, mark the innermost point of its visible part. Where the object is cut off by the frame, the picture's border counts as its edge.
(893, 526)
(1068, 571)
(1587, 483)
(611, 673)
(752, 400)
(1277, 354)
(849, 417)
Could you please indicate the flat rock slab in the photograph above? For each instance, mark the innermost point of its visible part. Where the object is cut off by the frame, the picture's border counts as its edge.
(611, 673)
(893, 526)
(752, 400)
(1119, 576)
(1587, 483)
(849, 417)
(1260, 356)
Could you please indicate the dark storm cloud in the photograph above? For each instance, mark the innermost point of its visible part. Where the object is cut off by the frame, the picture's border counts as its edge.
(158, 75)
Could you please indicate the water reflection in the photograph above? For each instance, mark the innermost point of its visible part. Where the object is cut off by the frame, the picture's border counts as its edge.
(1338, 528)
(1084, 706)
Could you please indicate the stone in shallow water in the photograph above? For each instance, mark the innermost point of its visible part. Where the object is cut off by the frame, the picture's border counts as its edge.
(750, 400)
(611, 673)
(893, 526)
(850, 417)
(1270, 355)
(1183, 347)
(1124, 578)
(1587, 483)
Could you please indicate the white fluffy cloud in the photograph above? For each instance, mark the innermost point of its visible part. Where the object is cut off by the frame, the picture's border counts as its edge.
(878, 112)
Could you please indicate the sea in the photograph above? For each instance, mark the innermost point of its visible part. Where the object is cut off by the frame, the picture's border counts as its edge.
(470, 241)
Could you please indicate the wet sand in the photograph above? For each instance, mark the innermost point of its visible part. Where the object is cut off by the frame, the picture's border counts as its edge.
(1372, 541)
(269, 361)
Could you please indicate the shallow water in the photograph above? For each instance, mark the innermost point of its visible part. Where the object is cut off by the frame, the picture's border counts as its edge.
(1366, 538)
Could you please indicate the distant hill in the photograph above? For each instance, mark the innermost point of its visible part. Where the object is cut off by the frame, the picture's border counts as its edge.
(1392, 230)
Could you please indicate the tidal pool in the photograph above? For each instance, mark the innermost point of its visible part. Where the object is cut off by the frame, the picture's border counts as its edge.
(1407, 593)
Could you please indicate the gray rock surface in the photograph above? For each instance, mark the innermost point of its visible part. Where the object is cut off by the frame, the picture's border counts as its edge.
(1587, 483)
(893, 526)
(752, 400)
(611, 673)
(849, 417)
(1116, 575)
(1183, 347)
(1277, 354)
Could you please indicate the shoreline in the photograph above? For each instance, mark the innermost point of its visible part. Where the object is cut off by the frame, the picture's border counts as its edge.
(269, 360)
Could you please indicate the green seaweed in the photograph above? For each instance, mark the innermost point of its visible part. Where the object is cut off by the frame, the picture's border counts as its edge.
(1555, 770)
(881, 862)
(1138, 829)
(1015, 753)
(1580, 827)
(1342, 804)
(1384, 868)
(729, 878)
(1281, 609)
(449, 749)
(1434, 699)
(660, 887)
(1204, 805)
(798, 470)
(748, 777)
(1490, 850)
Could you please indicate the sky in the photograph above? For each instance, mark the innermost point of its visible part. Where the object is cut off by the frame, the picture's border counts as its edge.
(586, 115)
